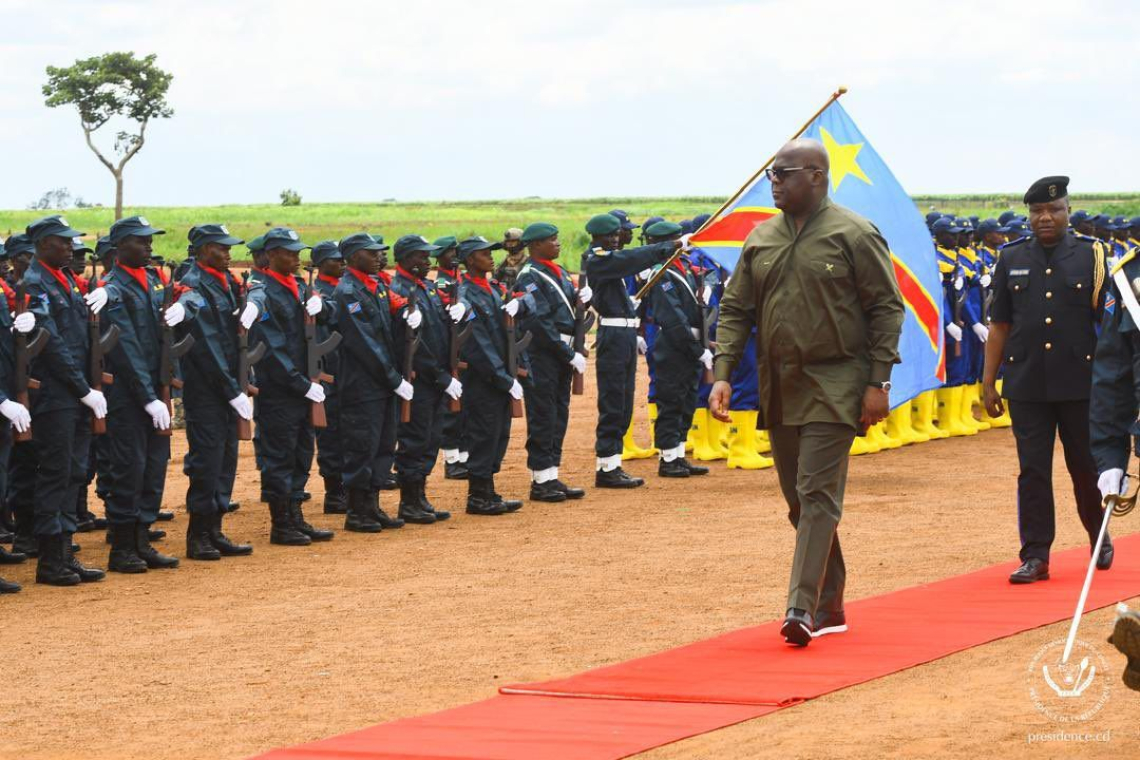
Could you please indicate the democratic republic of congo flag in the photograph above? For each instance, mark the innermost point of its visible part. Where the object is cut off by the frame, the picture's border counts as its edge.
(861, 181)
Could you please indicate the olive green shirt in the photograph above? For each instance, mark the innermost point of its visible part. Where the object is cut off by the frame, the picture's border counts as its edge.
(827, 313)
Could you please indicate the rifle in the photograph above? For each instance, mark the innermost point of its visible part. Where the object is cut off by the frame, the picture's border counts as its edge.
(513, 368)
(315, 350)
(583, 321)
(411, 343)
(246, 359)
(458, 338)
(708, 316)
(26, 350)
(169, 350)
(101, 342)
(959, 303)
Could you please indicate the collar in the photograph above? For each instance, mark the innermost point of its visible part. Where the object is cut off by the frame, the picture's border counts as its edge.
(452, 273)
(366, 280)
(287, 281)
(59, 274)
(384, 276)
(405, 273)
(549, 265)
(215, 273)
(791, 225)
(680, 266)
(138, 274)
(329, 279)
(479, 281)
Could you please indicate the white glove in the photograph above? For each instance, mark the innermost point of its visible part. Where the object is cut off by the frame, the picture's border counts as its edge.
(685, 242)
(243, 405)
(96, 300)
(456, 312)
(17, 414)
(516, 391)
(954, 331)
(159, 414)
(642, 346)
(454, 389)
(313, 306)
(579, 364)
(706, 359)
(511, 307)
(706, 294)
(959, 283)
(585, 294)
(1111, 482)
(248, 315)
(175, 314)
(986, 280)
(23, 323)
(316, 393)
(981, 331)
(96, 402)
(645, 274)
(636, 303)
(405, 390)
(413, 318)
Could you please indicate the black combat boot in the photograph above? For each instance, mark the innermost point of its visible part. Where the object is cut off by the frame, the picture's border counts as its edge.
(124, 554)
(427, 506)
(52, 569)
(509, 505)
(12, 558)
(479, 500)
(335, 499)
(154, 559)
(198, 543)
(164, 516)
(284, 532)
(25, 541)
(86, 574)
(410, 509)
(378, 512)
(359, 518)
(389, 484)
(221, 541)
(314, 534)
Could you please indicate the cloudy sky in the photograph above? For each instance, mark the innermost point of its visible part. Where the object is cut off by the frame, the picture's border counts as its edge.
(425, 99)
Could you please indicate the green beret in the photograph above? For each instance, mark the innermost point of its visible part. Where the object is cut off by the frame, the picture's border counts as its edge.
(444, 243)
(603, 224)
(663, 229)
(538, 231)
(256, 244)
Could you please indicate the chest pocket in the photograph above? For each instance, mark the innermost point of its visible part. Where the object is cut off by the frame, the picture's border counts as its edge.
(1079, 291)
(1018, 285)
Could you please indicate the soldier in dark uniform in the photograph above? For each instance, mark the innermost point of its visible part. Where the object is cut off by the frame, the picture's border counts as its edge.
(679, 356)
(508, 270)
(625, 235)
(369, 380)
(418, 440)
(327, 258)
(387, 456)
(616, 350)
(284, 434)
(552, 360)
(61, 429)
(488, 386)
(455, 453)
(1048, 297)
(15, 414)
(212, 397)
(1081, 222)
(137, 453)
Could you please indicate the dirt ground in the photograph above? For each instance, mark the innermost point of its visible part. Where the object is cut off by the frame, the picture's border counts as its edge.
(231, 658)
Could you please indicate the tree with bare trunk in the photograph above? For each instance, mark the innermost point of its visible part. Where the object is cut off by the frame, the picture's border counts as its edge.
(108, 86)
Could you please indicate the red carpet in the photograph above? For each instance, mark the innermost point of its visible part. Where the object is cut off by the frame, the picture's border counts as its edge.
(633, 706)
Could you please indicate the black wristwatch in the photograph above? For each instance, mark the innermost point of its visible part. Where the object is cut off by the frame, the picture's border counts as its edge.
(884, 386)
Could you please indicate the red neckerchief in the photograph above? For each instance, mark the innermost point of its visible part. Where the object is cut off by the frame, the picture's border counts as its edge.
(452, 273)
(60, 275)
(334, 281)
(679, 265)
(410, 276)
(139, 275)
(287, 281)
(369, 283)
(216, 273)
(11, 296)
(163, 277)
(481, 281)
(384, 277)
(549, 265)
(81, 283)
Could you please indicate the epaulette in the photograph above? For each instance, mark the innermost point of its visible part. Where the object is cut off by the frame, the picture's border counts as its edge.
(1012, 243)
(1089, 238)
(599, 251)
(1123, 260)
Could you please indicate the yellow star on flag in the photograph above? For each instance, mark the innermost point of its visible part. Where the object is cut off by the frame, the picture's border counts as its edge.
(843, 159)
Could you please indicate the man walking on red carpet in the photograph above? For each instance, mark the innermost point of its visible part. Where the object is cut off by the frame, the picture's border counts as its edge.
(816, 282)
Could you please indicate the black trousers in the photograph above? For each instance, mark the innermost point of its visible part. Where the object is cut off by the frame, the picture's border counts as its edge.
(285, 445)
(615, 359)
(211, 461)
(61, 439)
(6, 443)
(678, 378)
(136, 465)
(417, 441)
(547, 409)
(453, 427)
(488, 411)
(1035, 428)
(330, 447)
(367, 427)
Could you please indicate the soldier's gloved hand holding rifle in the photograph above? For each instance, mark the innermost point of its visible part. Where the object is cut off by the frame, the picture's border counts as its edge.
(954, 331)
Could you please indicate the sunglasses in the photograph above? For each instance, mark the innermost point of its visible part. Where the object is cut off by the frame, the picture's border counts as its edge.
(779, 175)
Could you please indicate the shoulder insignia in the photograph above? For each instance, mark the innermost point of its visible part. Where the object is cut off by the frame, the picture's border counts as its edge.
(667, 286)
(1012, 243)
(531, 287)
(1089, 238)
(354, 307)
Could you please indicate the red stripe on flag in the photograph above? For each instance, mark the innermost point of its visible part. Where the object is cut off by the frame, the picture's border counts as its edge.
(919, 302)
(734, 226)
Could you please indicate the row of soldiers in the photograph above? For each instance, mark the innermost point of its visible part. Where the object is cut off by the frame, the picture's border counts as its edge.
(375, 372)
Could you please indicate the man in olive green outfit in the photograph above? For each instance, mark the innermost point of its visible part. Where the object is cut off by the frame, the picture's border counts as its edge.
(817, 283)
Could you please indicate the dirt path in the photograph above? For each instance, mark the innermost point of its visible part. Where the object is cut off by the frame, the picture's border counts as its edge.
(223, 660)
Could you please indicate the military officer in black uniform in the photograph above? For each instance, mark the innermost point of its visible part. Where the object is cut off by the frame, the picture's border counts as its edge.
(1048, 297)
(455, 453)
(369, 380)
(615, 355)
(16, 417)
(552, 357)
(678, 355)
(327, 258)
(418, 440)
(62, 425)
(212, 396)
(284, 437)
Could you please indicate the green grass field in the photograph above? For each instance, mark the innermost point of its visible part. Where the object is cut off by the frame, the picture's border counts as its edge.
(321, 221)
